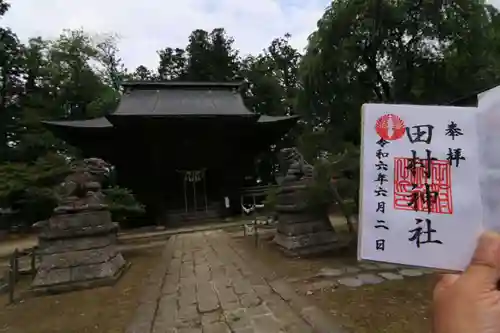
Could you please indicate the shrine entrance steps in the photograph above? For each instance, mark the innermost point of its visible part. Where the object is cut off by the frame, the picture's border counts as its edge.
(183, 218)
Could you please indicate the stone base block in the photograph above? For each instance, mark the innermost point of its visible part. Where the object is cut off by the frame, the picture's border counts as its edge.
(293, 187)
(47, 247)
(312, 250)
(309, 227)
(60, 280)
(307, 244)
(291, 208)
(84, 258)
(305, 240)
(78, 250)
(84, 268)
(285, 218)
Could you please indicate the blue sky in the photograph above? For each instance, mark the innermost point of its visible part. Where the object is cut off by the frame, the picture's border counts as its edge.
(146, 26)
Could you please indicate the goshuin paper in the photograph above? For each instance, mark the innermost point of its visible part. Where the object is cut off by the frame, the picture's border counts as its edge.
(489, 157)
(420, 201)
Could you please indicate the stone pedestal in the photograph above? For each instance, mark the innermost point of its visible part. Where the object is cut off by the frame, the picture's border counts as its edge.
(301, 232)
(77, 249)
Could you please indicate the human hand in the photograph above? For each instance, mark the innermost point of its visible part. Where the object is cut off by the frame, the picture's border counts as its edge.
(470, 302)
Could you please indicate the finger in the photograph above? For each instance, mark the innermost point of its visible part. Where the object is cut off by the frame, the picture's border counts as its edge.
(445, 281)
(485, 264)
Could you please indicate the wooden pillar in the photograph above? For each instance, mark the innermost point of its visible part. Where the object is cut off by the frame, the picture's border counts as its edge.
(194, 195)
(185, 191)
(205, 188)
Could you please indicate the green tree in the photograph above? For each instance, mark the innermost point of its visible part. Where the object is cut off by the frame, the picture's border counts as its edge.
(4, 6)
(208, 56)
(173, 64)
(391, 52)
(76, 76)
(72, 77)
(29, 187)
(394, 51)
(271, 89)
(11, 86)
(113, 71)
(77, 82)
(142, 73)
(122, 204)
(272, 78)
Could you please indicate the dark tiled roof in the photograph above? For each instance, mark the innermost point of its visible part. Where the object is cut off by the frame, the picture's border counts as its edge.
(270, 119)
(89, 123)
(104, 123)
(176, 99)
(182, 102)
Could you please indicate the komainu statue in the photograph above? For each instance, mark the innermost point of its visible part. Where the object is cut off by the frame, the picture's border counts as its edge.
(82, 188)
(301, 230)
(77, 245)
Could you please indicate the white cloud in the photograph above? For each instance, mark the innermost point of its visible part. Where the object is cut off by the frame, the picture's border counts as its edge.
(149, 25)
(146, 26)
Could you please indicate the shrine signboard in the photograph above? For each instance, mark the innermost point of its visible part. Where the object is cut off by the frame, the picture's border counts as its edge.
(420, 201)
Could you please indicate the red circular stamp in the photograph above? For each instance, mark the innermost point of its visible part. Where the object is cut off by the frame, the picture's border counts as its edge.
(390, 127)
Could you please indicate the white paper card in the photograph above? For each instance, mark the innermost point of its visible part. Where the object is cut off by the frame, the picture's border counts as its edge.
(413, 211)
(489, 156)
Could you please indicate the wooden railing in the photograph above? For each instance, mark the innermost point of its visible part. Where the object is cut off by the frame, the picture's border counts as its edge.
(257, 212)
(255, 192)
(14, 271)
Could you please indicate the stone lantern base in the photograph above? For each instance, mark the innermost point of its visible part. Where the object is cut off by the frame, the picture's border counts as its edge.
(78, 249)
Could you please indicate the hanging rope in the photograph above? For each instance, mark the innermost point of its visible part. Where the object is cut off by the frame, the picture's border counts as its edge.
(193, 176)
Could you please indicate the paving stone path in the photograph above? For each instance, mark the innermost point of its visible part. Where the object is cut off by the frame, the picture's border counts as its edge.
(205, 285)
(358, 275)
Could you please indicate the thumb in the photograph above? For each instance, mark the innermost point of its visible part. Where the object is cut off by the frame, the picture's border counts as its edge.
(484, 268)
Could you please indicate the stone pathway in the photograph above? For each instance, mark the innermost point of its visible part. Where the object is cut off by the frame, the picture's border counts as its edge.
(205, 285)
(357, 276)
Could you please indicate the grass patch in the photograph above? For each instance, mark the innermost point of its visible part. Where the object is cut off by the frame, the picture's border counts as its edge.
(105, 309)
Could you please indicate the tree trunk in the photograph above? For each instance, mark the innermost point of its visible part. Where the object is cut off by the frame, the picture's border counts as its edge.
(343, 208)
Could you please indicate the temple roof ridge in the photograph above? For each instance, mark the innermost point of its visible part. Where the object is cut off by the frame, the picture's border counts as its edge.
(170, 84)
